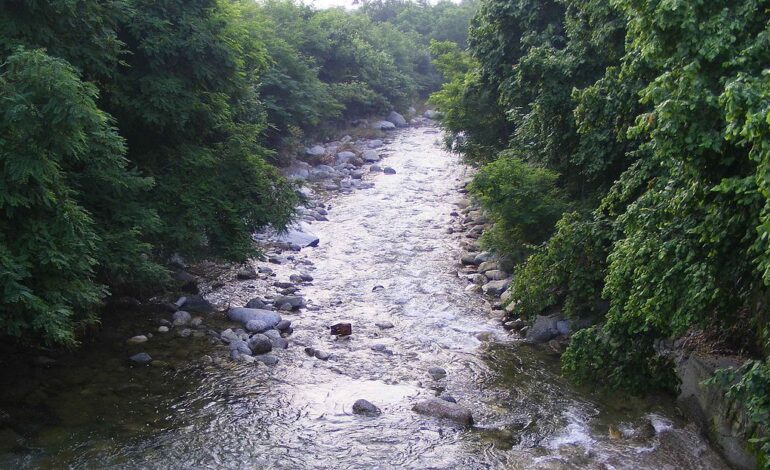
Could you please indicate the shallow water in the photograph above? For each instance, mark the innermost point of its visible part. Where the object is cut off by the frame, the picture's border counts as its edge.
(91, 409)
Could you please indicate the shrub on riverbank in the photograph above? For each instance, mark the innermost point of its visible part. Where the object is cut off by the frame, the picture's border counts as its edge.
(654, 115)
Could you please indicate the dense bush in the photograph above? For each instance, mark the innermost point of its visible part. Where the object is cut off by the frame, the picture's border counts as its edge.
(523, 200)
(654, 114)
(68, 206)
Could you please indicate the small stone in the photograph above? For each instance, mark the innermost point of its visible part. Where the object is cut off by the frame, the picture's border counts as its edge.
(267, 359)
(384, 325)
(310, 351)
(196, 322)
(389, 171)
(342, 329)
(162, 329)
(141, 358)
(283, 325)
(364, 407)
(279, 343)
(138, 339)
(437, 373)
(184, 332)
(181, 318)
(324, 356)
(447, 397)
(375, 168)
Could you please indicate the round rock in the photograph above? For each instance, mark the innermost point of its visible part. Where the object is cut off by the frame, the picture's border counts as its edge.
(364, 407)
(260, 344)
(437, 373)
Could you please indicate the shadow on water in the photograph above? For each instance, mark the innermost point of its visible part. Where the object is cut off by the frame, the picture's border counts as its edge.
(197, 409)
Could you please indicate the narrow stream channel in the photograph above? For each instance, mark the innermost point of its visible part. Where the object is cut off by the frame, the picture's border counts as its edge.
(91, 410)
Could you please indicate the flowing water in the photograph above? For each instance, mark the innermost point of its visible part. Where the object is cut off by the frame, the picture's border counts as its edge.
(90, 409)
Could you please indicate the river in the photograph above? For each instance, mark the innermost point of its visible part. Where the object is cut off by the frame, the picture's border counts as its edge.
(384, 255)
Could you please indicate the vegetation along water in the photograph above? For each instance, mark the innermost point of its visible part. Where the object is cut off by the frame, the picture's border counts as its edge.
(391, 233)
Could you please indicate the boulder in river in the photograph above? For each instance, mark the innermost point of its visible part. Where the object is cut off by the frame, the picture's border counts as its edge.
(397, 119)
(375, 168)
(543, 329)
(315, 151)
(268, 359)
(138, 339)
(389, 170)
(438, 408)
(431, 114)
(384, 325)
(255, 303)
(364, 407)
(198, 304)
(384, 126)
(140, 358)
(294, 301)
(260, 344)
(299, 236)
(244, 315)
(495, 288)
(437, 373)
(370, 156)
(241, 346)
(342, 329)
(247, 272)
(181, 318)
(256, 326)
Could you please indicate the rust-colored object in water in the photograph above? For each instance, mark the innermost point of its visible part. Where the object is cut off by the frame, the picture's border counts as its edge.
(342, 329)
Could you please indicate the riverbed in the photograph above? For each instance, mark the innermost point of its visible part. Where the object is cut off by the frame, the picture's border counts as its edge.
(385, 255)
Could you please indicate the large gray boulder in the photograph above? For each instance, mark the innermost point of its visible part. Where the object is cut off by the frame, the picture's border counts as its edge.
(384, 126)
(295, 301)
(370, 156)
(244, 315)
(315, 151)
(438, 408)
(345, 157)
(260, 344)
(495, 288)
(545, 328)
(397, 119)
(431, 114)
(299, 236)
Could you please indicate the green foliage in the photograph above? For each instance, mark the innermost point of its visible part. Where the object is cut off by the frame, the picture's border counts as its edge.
(185, 103)
(523, 200)
(567, 272)
(750, 386)
(68, 206)
(655, 115)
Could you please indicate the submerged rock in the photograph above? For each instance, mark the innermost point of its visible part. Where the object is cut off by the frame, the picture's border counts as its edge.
(181, 318)
(141, 358)
(438, 408)
(364, 407)
(389, 171)
(138, 339)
